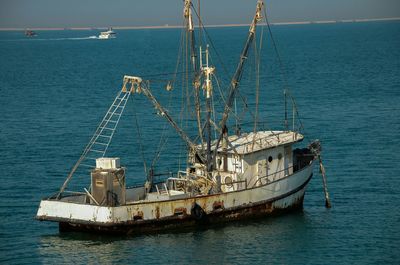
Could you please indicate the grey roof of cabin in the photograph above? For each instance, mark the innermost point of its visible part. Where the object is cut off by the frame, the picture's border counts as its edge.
(253, 142)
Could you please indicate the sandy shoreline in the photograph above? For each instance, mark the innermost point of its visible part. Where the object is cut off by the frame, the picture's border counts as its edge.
(208, 26)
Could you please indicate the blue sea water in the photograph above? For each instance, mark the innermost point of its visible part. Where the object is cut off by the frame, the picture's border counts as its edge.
(345, 78)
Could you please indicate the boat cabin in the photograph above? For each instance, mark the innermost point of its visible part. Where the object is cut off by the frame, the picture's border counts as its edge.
(255, 159)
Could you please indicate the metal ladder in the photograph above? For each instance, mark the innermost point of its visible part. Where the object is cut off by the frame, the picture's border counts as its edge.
(101, 139)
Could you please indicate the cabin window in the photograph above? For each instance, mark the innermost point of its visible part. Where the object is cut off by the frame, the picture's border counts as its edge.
(270, 159)
(279, 156)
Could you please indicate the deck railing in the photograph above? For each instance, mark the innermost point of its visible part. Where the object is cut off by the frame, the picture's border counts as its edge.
(164, 187)
(287, 169)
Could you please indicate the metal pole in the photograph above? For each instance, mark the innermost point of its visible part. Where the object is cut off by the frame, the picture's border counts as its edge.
(324, 182)
(293, 110)
(187, 13)
(286, 118)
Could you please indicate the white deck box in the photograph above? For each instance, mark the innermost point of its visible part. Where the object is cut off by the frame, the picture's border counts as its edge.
(108, 162)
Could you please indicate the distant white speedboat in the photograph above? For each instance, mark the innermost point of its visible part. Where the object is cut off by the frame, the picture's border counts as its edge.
(109, 34)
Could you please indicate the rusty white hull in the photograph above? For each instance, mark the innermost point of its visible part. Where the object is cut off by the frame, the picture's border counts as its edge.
(144, 216)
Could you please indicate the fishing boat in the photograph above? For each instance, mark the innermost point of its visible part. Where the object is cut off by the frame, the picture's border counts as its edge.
(30, 33)
(227, 176)
(109, 34)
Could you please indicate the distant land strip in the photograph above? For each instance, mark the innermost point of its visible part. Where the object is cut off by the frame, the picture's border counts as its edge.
(210, 26)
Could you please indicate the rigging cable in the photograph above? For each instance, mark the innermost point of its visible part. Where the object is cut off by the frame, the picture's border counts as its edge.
(188, 102)
(258, 63)
(257, 54)
(164, 137)
(164, 74)
(224, 100)
(217, 53)
(234, 113)
(213, 114)
(182, 97)
(283, 71)
(140, 137)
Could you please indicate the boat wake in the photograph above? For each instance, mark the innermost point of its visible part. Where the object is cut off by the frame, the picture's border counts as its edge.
(77, 38)
(54, 39)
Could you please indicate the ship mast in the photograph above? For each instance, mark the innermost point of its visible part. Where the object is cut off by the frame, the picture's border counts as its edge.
(187, 14)
(207, 71)
(239, 71)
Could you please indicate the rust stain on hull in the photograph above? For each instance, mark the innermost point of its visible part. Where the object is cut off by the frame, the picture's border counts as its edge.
(218, 205)
(138, 216)
(180, 211)
(158, 212)
(171, 223)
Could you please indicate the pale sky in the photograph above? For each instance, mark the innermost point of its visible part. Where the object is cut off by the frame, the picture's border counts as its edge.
(104, 13)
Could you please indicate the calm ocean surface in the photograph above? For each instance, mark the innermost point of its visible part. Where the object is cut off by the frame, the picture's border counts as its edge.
(56, 87)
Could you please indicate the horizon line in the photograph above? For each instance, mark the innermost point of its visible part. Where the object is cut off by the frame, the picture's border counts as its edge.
(167, 26)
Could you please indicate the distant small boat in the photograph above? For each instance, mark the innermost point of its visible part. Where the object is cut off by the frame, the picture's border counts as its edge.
(30, 33)
(109, 34)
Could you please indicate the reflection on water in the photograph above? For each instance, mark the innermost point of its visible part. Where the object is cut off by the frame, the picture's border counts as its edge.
(218, 244)
(70, 248)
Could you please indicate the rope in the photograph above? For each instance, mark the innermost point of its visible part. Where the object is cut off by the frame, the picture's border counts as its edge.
(140, 138)
(283, 71)
(163, 139)
(257, 66)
